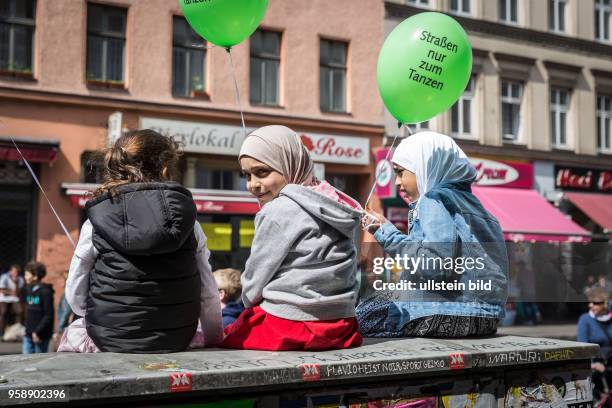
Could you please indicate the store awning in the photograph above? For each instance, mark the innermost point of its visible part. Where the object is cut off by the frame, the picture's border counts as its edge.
(206, 201)
(34, 150)
(524, 215)
(597, 207)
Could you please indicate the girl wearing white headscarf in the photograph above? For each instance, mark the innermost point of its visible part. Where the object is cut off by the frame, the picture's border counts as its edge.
(300, 282)
(457, 241)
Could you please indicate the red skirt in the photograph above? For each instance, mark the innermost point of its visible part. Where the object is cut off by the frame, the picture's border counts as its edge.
(257, 330)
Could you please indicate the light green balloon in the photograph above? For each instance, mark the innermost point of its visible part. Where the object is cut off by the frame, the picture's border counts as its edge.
(224, 22)
(424, 66)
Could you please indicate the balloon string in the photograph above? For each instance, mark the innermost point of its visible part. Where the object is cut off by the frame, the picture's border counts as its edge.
(386, 159)
(43, 192)
(229, 51)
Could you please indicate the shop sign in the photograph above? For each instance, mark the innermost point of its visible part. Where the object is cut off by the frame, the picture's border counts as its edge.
(503, 174)
(197, 137)
(337, 149)
(385, 177)
(582, 179)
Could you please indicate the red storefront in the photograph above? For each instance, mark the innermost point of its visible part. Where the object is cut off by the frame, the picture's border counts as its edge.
(210, 169)
(505, 189)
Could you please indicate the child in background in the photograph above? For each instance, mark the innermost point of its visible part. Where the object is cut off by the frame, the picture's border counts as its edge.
(228, 281)
(300, 282)
(39, 309)
(140, 275)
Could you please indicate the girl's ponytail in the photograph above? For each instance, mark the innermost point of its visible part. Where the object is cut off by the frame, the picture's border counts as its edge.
(139, 156)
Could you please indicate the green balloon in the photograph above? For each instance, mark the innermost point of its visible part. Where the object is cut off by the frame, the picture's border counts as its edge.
(424, 66)
(224, 22)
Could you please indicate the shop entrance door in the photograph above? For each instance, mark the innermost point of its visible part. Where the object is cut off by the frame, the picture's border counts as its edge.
(17, 215)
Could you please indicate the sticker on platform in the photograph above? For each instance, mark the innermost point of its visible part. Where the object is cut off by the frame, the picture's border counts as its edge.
(457, 361)
(180, 382)
(310, 372)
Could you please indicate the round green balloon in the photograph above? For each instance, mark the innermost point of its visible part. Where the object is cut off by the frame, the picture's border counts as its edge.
(224, 22)
(424, 66)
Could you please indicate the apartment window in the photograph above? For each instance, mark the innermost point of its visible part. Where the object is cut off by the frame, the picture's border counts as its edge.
(265, 67)
(422, 3)
(105, 44)
(188, 60)
(508, 11)
(556, 15)
(511, 109)
(17, 23)
(460, 6)
(559, 107)
(603, 20)
(333, 76)
(461, 112)
(604, 123)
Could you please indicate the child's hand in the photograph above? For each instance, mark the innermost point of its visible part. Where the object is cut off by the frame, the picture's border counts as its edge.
(35, 338)
(371, 221)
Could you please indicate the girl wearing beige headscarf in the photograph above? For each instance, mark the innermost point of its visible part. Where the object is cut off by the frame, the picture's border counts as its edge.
(300, 283)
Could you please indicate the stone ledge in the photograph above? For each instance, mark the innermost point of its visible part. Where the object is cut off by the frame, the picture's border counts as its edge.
(98, 377)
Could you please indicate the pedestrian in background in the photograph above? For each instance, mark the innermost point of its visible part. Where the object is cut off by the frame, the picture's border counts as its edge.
(595, 326)
(11, 304)
(39, 309)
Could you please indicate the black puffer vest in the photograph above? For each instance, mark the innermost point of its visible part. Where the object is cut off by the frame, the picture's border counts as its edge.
(144, 292)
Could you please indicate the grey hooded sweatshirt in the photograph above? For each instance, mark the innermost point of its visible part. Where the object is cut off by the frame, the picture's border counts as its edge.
(303, 263)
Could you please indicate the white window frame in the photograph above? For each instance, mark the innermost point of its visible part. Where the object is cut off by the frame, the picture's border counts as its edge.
(420, 3)
(507, 20)
(334, 67)
(460, 7)
(600, 13)
(467, 96)
(557, 109)
(602, 115)
(266, 60)
(417, 127)
(13, 23)
(191, 50)
(507, 137)
(557, 4)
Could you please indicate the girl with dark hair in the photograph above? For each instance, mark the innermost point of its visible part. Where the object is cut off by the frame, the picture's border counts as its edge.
(140, 275)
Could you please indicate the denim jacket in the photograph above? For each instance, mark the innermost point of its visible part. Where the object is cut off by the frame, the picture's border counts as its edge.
(449, 223)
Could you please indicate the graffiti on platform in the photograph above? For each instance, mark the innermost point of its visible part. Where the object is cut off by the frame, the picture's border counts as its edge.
(353, 369)
(515, 357)
(340, 356)
(559, 355)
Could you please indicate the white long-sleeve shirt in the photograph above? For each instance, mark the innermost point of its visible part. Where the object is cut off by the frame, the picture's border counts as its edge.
(83, 261)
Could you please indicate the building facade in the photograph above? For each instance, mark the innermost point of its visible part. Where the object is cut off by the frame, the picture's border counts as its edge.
(75, 74)
(539, 95)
